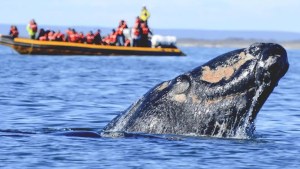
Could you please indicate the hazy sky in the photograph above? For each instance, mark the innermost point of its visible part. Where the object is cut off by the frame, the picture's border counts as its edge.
(271, 15)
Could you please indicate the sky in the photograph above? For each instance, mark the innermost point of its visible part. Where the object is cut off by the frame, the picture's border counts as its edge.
(249, 15)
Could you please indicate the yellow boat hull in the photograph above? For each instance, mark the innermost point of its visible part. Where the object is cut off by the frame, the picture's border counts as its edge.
(36, 47)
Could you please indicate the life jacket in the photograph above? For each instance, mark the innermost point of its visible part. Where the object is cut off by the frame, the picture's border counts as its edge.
(59, 37)
(33, 27)
(44, 38)
(113, 38)
(73, 37)
(51, 36)
(80, 38)
(145, 30)
(68, 33)
(106, 40)
(14, 33)
(136, 32)
(121, 28)
(90, 38)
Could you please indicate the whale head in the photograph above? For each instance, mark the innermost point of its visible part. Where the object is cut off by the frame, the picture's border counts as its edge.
(220, 98)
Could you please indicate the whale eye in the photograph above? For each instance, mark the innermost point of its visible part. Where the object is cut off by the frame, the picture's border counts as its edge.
(181, 84)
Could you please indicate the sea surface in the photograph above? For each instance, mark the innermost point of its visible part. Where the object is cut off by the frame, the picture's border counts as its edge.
(43, 96)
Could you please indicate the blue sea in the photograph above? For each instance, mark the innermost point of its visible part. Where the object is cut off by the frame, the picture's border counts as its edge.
(42, 96)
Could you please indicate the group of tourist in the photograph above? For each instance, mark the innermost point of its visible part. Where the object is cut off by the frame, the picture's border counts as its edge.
(139, 34)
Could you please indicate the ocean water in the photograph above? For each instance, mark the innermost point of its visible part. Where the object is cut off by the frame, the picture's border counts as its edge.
(42, 96)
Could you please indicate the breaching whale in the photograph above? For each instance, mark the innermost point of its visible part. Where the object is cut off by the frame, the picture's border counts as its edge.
(220, 98)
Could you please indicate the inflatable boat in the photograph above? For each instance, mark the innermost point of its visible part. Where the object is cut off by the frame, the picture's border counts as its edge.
(27, 46)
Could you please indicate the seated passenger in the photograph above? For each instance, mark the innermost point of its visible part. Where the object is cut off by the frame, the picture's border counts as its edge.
(41, 33)
(59, 36)
(111, 39)
(14, 33)
(97, 37)
(90, 38)
(73, 36)
(81, 38)
(51, 36)
(68, 33)
(44, 37)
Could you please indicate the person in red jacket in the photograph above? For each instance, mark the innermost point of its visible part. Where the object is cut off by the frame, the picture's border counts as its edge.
(90, 38)
(14, 33)
(59, 36)
(110, 39)
(74, 37)
(68, 33)
(51, 36)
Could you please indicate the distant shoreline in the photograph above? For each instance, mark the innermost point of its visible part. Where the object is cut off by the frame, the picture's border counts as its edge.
(232, 43)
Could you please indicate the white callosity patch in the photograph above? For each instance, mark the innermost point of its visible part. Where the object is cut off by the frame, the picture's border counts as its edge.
(216, 75)
(180, 98)
(163, 86)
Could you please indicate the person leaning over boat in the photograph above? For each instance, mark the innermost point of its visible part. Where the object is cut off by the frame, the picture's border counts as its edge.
(32, 28)
(145, 14)
(13, 32)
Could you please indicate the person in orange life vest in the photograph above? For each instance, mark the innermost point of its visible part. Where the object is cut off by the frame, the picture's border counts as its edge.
(13, 32)
(43, 35)
(74, 36)
(144, 35)
(111, 39)
(97, 37)
(90, 38)
(51, 36)
(120, 35)
(136, 32)
(81, 38)
(105, 40)
(68, 33)
(59, 36)
(32, 28)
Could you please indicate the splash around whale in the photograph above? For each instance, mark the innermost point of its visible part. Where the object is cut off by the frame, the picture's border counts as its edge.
(220, 98)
